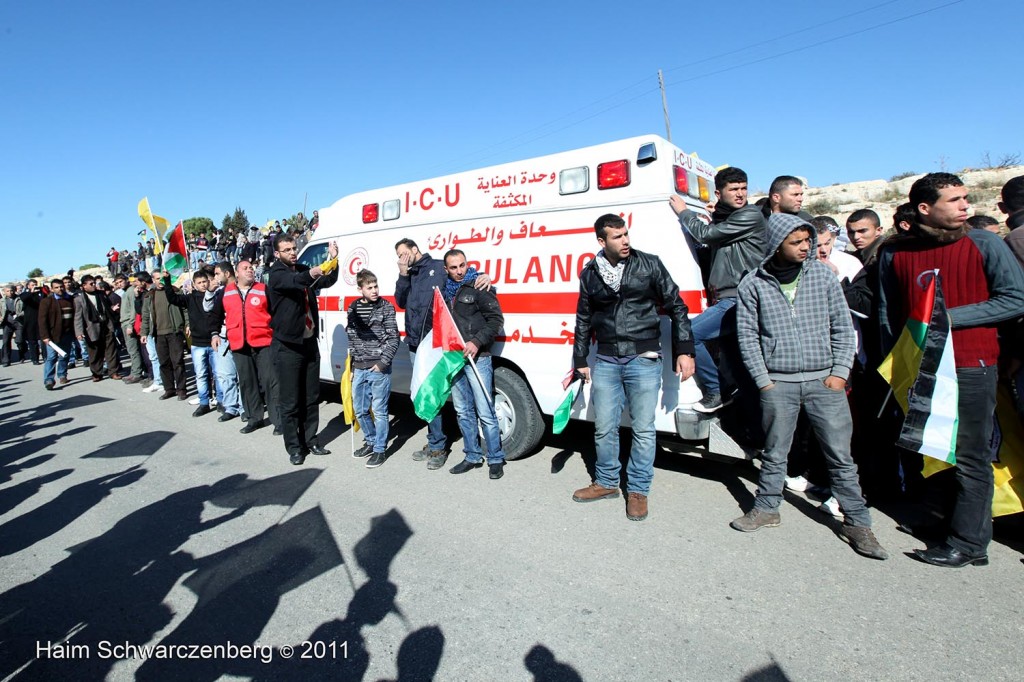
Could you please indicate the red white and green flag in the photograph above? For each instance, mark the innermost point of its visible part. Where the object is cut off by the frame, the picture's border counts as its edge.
(922, 372)
(438, 359)
(563, 412)
(175, 251)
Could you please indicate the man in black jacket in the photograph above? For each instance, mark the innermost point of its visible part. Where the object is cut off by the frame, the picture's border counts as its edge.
(201, 333)
(418, 275)
(94, 326)
(30, 300)
(478, 317)
(620, 293)
(295, 321)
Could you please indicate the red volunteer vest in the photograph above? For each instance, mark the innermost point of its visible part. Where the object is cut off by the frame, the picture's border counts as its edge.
(248, 321)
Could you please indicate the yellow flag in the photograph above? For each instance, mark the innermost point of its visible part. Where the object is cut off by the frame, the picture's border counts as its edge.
(348, 407)
(1008, 469)
(328, 266)
(157, 225)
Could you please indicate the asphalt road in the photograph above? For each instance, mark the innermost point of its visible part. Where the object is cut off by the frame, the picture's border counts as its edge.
(125, 521)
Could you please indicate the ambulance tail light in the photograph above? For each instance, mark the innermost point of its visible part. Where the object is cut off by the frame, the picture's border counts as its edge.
(693, 183)
(705, 192)
(371, 212)
(613, 174)
(682, 182)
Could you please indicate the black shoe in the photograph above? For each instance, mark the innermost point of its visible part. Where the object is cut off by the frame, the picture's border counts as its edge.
(949, 557)
(318, 450)
(496, 470)
(376, 459)
(202, 410)
(167, 394)
(251, 426)
(49, 387)
(365, 451)
(297, 458)
(278, 431)
(226, 417)
(710, 404)
(464, 466)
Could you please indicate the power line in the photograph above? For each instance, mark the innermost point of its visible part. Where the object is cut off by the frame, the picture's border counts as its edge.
(622, 102)
(817, 44)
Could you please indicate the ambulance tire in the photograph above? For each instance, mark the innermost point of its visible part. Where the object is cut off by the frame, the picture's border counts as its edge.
(519, 417)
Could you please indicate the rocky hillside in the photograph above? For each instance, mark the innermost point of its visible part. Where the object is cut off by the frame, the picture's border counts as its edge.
(883, 196)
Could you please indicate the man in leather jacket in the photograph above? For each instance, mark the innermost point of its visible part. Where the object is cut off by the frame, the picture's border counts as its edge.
(620, 293)
(478, 316)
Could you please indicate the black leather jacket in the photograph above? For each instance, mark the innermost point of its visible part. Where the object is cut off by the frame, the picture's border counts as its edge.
(627, 322)
(478, 316)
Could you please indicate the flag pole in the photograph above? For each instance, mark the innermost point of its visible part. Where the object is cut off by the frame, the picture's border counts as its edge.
(352, 426)
(884, 403)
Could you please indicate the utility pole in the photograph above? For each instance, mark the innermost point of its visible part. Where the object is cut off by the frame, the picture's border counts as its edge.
(664, 105)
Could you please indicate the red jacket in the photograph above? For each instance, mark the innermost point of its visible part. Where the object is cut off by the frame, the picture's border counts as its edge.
(247, 320)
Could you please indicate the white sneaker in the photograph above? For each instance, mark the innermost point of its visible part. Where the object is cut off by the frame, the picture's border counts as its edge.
(831, 506)
(213, 402)
(194, 401)
(152, 388)
(797, 483)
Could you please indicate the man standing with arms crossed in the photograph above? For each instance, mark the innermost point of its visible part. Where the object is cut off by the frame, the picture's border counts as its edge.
(620, 293)
(295, 321)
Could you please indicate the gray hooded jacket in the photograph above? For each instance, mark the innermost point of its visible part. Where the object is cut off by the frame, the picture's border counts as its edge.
(808, 339)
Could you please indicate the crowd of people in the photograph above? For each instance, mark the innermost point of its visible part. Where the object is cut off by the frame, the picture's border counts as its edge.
(794, 333)
(229, 244)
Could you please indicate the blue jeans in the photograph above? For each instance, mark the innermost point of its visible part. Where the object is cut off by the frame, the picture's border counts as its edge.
(637, 383)
(717, 320)
(54, 361)
(227, 379)
(829, 414)
(474, 402)
(202, 362)
(435, 432)
(154, 360)
(371, 390)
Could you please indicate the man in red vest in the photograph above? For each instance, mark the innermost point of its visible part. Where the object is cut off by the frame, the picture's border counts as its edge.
(247, 318)
(983, 285)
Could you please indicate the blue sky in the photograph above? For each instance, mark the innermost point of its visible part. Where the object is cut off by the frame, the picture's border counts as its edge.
(205, 106)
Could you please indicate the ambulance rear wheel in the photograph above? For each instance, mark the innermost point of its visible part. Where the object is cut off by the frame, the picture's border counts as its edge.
(519, 417)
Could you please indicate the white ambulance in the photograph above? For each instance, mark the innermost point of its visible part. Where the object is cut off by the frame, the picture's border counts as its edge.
(529, 226)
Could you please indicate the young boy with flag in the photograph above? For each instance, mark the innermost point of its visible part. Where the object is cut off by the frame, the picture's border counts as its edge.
(373, 342)
(796, 338)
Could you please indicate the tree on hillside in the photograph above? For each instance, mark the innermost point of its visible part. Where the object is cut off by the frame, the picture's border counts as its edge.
(35, 272)
(193, 226)
(239, 222)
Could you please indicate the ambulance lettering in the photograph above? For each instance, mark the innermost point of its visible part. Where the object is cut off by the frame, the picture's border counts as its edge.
(428, 198)
(559, 268)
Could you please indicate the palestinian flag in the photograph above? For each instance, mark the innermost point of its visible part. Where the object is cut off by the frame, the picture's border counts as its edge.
(922, 374)
(564, 411)
(175, 253)
(438, 359)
